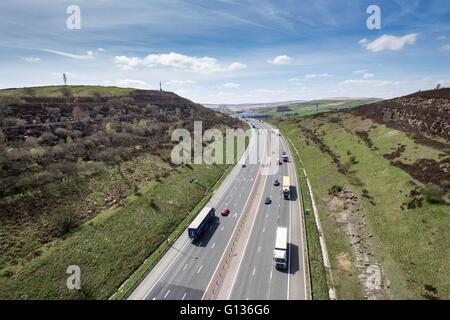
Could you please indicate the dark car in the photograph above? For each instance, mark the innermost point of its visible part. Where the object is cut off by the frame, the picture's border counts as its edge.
(225, 212)
(244, 165)
(276, 183)
(267, 201)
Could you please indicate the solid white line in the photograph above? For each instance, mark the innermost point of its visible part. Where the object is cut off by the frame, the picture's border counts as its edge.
(199, 269)
(179, 252)
(167, 294)
(184, 296)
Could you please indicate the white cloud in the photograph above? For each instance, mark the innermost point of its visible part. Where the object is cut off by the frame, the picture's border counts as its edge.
(131, 83)
(32, 59)
(280, 60)
(363, 41)
(441, 38)
(368, 75)
(294, 79)
(231, 85)
(74, 56)
(312, 76)
(389, 42)
(360, 71)
(100, 49)
(236, 66)
(446, 47)
(203, 65)
(376, 83)
(179, 82)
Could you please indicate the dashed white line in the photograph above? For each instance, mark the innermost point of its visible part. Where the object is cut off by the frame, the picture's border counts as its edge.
(254, 270)
(264, 229)
(259, 249)
(184, 296)
(213, 245)
(222, 228)
(185, 266)
(199, 269)
(167, 294)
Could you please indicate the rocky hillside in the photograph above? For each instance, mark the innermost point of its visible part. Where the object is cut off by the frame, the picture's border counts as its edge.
(44, 138)
(380, 174)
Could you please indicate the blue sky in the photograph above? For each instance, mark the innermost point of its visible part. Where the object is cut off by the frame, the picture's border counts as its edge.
(230, 51)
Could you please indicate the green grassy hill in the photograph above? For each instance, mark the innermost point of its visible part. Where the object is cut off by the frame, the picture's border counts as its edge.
(87, 180)
(311, 107)
(382, 184)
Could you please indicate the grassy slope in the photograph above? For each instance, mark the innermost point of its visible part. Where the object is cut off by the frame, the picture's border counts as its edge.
(55, 91)
(111, 246)
(412, 245)
(309, 108)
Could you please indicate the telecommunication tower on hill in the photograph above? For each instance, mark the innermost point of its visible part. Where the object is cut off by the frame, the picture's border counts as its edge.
(65, 79)
(160, 87)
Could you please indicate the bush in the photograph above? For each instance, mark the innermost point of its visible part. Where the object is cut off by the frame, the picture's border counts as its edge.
(433, 194)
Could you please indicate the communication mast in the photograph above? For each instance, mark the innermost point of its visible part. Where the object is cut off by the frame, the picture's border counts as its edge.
(65, 79)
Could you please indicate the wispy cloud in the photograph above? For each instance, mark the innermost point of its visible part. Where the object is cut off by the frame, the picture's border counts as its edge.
(389, 42)
(32, 59)
(446, 47)
(231, 85)
(179, 82)
(313, 75)
(89, 54)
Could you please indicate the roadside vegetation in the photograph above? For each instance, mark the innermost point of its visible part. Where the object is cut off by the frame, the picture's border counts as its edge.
(317, 273)
(373, 203)
(88, 181)
(312, 107)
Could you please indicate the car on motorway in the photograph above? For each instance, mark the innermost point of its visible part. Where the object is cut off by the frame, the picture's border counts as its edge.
(267, 200)
(225, 212)
(276, 182)
(244, 165)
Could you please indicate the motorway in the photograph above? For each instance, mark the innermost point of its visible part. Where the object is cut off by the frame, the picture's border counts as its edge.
(187, 268)
(257, 278)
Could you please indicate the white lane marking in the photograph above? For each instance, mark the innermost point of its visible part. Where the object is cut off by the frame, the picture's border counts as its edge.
(185, 266)
(264, 229)
(187, 242)
(271, 274)
(259, 249)
(154, 298)
(213, 245)
(222, 228)
(167, 294)
(199, 269)
(254, 270)
(184, 296)
(267, 215)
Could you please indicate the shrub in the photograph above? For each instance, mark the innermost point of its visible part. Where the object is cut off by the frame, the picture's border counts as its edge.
(433, 194)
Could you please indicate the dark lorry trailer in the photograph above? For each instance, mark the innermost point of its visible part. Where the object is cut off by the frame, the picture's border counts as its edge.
(203, 219)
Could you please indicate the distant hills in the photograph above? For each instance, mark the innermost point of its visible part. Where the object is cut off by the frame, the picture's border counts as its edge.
(273, 107)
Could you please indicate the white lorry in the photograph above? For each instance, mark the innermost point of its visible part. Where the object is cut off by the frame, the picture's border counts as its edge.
(286, 187)
(280, 254)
